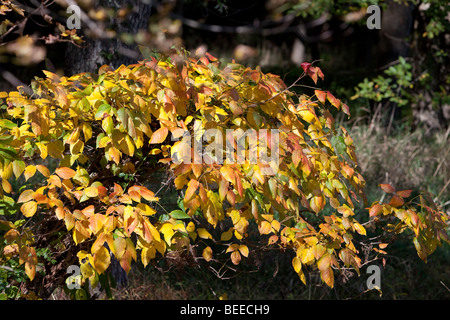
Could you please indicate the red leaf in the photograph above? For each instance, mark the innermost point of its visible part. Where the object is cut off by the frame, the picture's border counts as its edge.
(210, 57)
(396, 201)
(404, 193)
(387, 188)
(375, 210)
(313, 72)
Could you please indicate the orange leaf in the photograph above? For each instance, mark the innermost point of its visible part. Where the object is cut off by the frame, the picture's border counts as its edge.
(207, 254)
(235, 257)
(333, 100)
(404, 193)
(192, 187)
(30, 264)
(65, 173)
(159, 135)
(265, 227)
(396, 201)
(327, 276)
(228, 174)
(375, 210)
(320, 95)
(29, 209)
(296, 157)
(387, 188)
(147, 194)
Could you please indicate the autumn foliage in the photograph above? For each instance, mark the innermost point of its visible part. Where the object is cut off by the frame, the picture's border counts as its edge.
(93, 139)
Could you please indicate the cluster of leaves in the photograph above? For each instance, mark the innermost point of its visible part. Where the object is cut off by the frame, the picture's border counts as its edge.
(315, 9)
(22, 47)
(108, 131)
(395, 85)
(425, 74)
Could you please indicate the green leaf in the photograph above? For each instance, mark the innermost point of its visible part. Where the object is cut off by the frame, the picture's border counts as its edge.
(178, 214)
(104, 108)
(7, 124)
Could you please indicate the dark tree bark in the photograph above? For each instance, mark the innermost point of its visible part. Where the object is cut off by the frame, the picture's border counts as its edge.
(114, 52)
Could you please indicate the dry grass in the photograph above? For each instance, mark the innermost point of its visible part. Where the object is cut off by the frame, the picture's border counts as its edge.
(408, 160)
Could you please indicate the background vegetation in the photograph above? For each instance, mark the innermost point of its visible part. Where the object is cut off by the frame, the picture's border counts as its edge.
(395, 80)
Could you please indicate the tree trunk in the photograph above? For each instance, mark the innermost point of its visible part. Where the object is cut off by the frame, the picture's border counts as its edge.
(114, 52)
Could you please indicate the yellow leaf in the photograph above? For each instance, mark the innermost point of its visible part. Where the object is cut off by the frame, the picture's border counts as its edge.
(120, 246)
(306, 115)
(87, 131)
(243, 249)
(102, 259)
(69, 220)
(29, 172)
(30, 264)
(203, 233)
(148, 254)
(56, 148)
(302, 276)
(43, 149)
(207, 254)
(91, 192)
(327, 276)
(265, 227)
(43, 170)
(146, 210)
(232, 248)
(7, 171)
(359, 228)
(276, 225)
(29, 209)
(127, 146)
(18, 168)
(6, 186)
(190, 227)
(228, 174)
(225, 236)
(81, 231)
(167, 231)
(306, 255)
(153, 231)
(75, 148)
(297, 264)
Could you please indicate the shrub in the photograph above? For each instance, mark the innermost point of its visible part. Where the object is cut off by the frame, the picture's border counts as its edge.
(106, 134)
